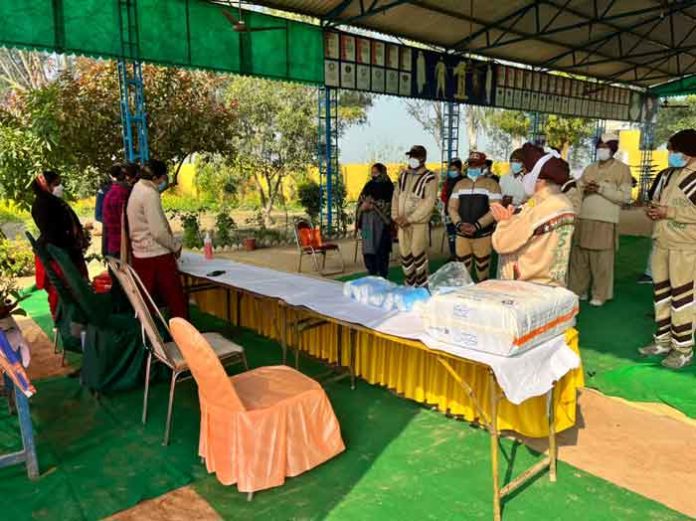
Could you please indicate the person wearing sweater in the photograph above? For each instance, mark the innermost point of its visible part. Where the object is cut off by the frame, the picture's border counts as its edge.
(415, 195)
(534, 241)
(673, 209)
(469, 209)
(606, 186)
(454, 175)
(155, 250)
(114, 206)
(511, 184)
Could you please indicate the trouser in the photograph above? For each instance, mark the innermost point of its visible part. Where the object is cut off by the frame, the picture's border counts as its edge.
(452, 239)
(413, 245)
(160, 276)
(674, 272)
(648, 268)
(596, 266)
(477, 253)
(378, 263)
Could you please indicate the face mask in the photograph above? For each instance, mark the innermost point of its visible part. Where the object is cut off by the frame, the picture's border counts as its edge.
(677, 160)
(413, 163)
(516, 167)
(453, 173)
(163, 186)
(603, 154)
(473, 173)
(58, 191)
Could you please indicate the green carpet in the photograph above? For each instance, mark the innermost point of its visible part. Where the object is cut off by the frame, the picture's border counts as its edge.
(403, 461)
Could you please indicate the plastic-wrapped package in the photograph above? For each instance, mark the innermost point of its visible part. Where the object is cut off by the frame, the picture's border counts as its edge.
(370, 291)
(500, 317)
(406, 299)
(450, 276)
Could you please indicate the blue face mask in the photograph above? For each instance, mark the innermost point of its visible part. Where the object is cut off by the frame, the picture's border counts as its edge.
(677, 160)
(473, 173)
(163, 186)
(516, 167)
(453, 173)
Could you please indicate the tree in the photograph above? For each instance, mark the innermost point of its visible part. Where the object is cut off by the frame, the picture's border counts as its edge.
(428, 114)
(26, 70)
(477, 120)
(562, 132)
(681, 115)
(21, 158)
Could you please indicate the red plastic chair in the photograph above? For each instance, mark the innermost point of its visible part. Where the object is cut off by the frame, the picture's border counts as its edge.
(310, 242)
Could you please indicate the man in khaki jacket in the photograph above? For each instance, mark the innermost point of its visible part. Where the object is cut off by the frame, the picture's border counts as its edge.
(415, 195)
(673, 209)
(606, 186)
(534, 242)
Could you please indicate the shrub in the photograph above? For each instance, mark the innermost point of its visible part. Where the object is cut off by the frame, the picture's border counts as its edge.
(16, 258)
(191, 222)
(224, 226)
(310, 198)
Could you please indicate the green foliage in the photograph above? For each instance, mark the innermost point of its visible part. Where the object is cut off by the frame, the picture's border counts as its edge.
(16, 260)
(224, 227)
(344, 215)
(512, 122)
(673, 119)
(309, 194)
(216, 179)
(191, 223)
(21, 159)
(561, 131)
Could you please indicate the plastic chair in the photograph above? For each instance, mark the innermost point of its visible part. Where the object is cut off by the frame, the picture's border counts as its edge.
(310, 242)
(259, 427)
(166, 352)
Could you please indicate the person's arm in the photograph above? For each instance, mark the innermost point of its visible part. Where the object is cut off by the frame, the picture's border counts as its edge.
(395, 198)
(621, 193)
(157, 223)
(424, 209)
(494, 196)
(453, 205)
(512, 234)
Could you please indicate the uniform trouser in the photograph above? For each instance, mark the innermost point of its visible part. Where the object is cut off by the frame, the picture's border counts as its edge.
(648, 268)
(413, 246)
(476, 252)
(596, 266)
(674, 272)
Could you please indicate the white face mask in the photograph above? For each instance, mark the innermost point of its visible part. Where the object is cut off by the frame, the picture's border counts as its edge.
(413, 163)
(58, 191)
(529, 184)
(603, 154)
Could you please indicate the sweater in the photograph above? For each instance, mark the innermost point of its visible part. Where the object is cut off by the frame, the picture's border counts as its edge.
(615, 185)
(511, 186)
(150, 234)
(534, 244)
(114, 203)
(470, 203)
(678, 194)
(415, 195)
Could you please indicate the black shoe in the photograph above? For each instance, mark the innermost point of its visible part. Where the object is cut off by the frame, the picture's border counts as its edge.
(645, 279)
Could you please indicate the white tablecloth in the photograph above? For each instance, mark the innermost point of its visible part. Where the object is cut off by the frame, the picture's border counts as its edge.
(524, 376)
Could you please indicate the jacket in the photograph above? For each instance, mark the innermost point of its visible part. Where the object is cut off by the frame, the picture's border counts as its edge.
(534, 244)
(615, 186)
(150, 234)
(415, 195)
(470, 203)
(678, 194)
(58, 225)
(114, 204)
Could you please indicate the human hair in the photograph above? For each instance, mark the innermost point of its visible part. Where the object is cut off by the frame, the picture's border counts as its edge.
(131, 170)
(380, 167)
(49, 177)
(153, 169)
(116, 171)
(683, 141)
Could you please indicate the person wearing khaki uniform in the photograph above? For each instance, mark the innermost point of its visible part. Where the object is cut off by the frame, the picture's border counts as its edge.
(606, 186)
(534, 241)
(415, 195)
(469, 210)
(673, 209)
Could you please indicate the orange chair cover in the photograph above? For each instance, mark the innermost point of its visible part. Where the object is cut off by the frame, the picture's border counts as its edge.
(260, 426)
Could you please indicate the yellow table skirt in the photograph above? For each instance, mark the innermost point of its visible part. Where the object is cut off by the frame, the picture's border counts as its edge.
(408, 367)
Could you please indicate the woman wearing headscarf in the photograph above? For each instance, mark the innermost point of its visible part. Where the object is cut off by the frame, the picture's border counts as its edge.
(673, 209)
(58, 225)
(534, 241)
(605, 186)
(373, 219)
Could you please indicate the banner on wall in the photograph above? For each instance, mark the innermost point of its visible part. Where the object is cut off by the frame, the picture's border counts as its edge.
(366, 64)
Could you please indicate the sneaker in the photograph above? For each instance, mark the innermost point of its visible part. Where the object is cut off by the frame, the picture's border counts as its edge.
(583, 297)
(677, 360)
(645, 279)
(596, 302)
(654, 350)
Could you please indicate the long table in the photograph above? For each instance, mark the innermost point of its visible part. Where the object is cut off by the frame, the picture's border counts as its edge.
(454, 384)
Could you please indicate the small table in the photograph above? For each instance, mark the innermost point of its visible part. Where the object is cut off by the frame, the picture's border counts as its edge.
(19, 402)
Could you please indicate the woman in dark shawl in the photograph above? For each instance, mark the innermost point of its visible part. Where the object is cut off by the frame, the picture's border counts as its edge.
(373, 220)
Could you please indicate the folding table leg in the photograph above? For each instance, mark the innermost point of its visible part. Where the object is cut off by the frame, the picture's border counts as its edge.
(352, 345)
(239, 309)
(553, 450)
(493, 429)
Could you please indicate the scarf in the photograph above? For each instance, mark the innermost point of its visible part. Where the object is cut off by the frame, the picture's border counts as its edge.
(379, 190)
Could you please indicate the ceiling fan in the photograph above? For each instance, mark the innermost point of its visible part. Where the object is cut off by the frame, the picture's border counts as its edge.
(240, 26)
